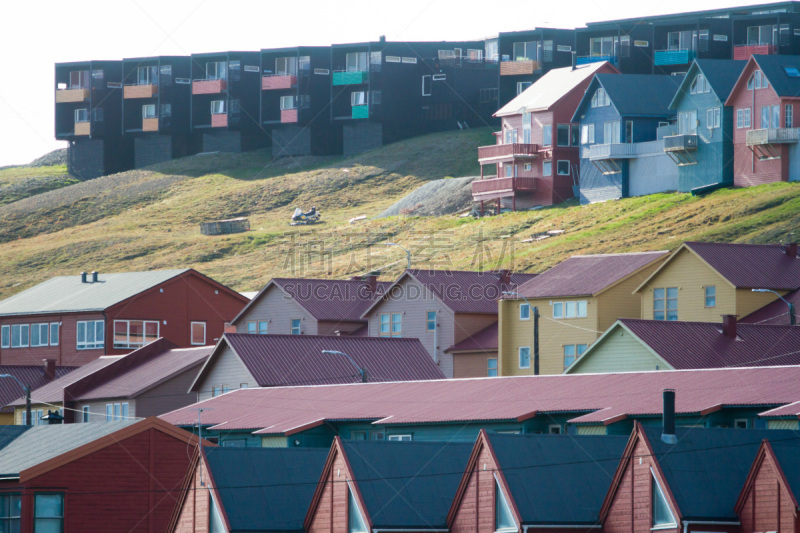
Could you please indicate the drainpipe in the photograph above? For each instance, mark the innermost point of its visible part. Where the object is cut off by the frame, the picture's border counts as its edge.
(436, 338)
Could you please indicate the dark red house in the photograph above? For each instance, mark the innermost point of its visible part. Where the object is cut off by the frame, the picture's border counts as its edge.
(537, 150)
(75, 319)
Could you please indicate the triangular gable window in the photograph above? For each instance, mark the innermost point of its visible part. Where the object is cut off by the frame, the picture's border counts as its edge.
(215, 522)
(504, 520)
(355, 522)
(662, 514)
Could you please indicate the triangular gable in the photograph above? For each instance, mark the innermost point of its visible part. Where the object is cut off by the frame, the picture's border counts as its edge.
(587, 98)
(714, 81)
(387, 294)
(211, 360)
(741, 82)
(765, 455)
(669, 260)
(272, 283)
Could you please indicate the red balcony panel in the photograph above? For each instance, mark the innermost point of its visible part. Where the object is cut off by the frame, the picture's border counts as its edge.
(288, 115)
(149, 124)
(219, 120)
(209, 86)
(278, 82)
(500, 151)
(498, 186)
(743, 52)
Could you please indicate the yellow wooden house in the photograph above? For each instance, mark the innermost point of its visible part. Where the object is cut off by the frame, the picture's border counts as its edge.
(577, 300)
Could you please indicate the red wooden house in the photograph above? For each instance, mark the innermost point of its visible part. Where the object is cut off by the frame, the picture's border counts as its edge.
(765, 135)
(536, 154)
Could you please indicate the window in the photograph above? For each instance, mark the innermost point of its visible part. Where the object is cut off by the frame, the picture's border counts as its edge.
(216, 390)
(263, 326)
(747, 117)
(149, 111)
(400, 438)
(665, 303)
(562, 167)
(146, 75)
(79, 79)
(547, 135)
(792, 72)
(82, 115)
(699, 85)
(39, 334)
(198, 333)
(358, 98)
(524, 312)
(547, 168)
(711, 296)
(526, 50)
(385, 325)
(554, 429)
(10, 511)
(603, 46)
(503, 519)
(109, 412)
(431, 322)
(285, 66)
(600, 98)
(377, 96)
(572, 352)
(48, 512)
(366, 435)
(166, 110)
(527, 167)
(5, 337)
(562, 135)
(251, 328)
(91, 335)
(355, 522)
(20, 335)
(558, 310)
(687, 122)
(740, 118)
(124, 411)
(54, 333)
(510, 136)
(662, 515)
(713, 117)
(524, 356)
(766, 34)
(522, 85)
(397, 324)
(218, 107)
(287, 102)
(85, 413)
(770, 116)
(788, 111)
(611, 132)
(740, 423)
(356, 61)
(491, 369)
(295, 326)
(376, 58)
(587, 134)
(573, 309)
(117, 412)
(134, 333)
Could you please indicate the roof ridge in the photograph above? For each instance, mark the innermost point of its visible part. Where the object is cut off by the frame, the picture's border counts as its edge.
(313, 337)
(622, 253)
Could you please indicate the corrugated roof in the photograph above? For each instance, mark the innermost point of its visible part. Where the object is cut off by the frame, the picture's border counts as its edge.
(41, 443)
(149, 373)
(721, 74)
(551, 88)
(276, 360)
(266, 489)
(32, 376)
(67, 294)
(689, 345)
(407, 485)
(558, 479)
(53, 392)
(593, 398)
(775, 313)
(640, 94)
(751, 266)
(585, 275)
(484, 340)
(9, 433)
(791, 410)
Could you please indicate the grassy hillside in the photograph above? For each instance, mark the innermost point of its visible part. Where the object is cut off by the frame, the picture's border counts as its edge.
(17, 183)
(149, 219)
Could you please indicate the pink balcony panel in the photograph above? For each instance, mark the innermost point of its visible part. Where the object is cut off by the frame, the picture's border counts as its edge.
(288, 115)
(498, 187)
(743, 52)
(208, 86)
(219, 120)
(504, 151)
(278, 82)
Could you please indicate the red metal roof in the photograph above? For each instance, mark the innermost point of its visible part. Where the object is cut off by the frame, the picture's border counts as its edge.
(585, 275)
(32, 376)
(775, 313)
(688, 345)
(751, 266)
(276, 360)
(53, 392)
(791, 410)
(604, 398)
(484, 340)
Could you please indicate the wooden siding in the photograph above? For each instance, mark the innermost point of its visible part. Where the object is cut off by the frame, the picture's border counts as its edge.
(748, 301)
(619, 351)
(65, 354)
(279, 310)
(768, 505)
(331, 512)
(168, 396)
(194, 513)
(620, 302)
(18, 411)
(226, 369)
(97, 409)
(652, 172)
(475, 512)
(472, 365)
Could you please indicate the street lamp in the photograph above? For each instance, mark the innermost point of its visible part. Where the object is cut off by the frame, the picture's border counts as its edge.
(535, 311)
(408, 254)
(27, 389)
(362, 371)
(792, 319)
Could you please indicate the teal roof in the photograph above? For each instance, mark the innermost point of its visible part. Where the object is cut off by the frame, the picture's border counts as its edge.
(68, 294)
(721, 74)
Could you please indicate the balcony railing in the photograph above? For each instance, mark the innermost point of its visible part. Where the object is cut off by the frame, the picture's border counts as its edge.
(516, 68)
(598, 152)
(674, 57)
(83, 128)
(219, 120)
(344, 77)
(150, 124)
(288, 116)
(209, 86)
(680, 143)
(140, 91)
(744, 51)
(497, 187)
(772, 136)
(64, 96)
(360, 111)
(505, 151)
(585, 60)
(278, 82)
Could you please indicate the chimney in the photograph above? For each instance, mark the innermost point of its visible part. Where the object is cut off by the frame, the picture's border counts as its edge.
(94, 276)
(228, 328)
(355, 278)
(371, 281)
(504, 276)
(729, 326)
(574, 59)
(791, 249)
(49, 369)
(668, 425)
(83, 277)
(382, 38)
(53, 417)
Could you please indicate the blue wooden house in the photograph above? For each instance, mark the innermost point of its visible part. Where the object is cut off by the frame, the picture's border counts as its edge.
(623, 120)
(703, 146)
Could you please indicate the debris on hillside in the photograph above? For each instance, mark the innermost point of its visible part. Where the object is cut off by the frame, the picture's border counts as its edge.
(435, 198)
(56, 157)
(222, 227)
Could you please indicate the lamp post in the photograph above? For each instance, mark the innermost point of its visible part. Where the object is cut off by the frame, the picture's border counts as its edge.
(535, 311)
(362, 371)
(408, 254)
(792, 319)
(27, 389)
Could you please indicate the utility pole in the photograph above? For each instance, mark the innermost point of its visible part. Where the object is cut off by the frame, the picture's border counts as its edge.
(535, 340)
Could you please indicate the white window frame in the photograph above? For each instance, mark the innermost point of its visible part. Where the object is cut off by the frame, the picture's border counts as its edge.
(788, 116)
(286, 66)
(265, 329)
(558, 167)
(547, 167)
(42, 341)
(288, 102)
(400, 438)
(218, 107)
(191, 333)
(5, 336)
(129, 344)
(96, 344)
(23, 335)
(519, 356)
(82, 115)
(547, 135)
(526, 314)
(747, 116)
(356, 62)
(430, 82)
(587, 134)
(571, 309)
(296, 324)
(712, 296)
(216, 70)
(554, 429)
(358, 98)
(737, 423)
(149, 111)
(713, 117)
(55, 333)
(109, 412)
(85, 414)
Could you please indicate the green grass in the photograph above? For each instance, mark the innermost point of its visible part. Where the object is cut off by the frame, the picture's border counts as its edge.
(17, 183)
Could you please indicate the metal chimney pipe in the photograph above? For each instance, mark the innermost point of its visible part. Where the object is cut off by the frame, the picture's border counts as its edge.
(668, 414)
(791, 249)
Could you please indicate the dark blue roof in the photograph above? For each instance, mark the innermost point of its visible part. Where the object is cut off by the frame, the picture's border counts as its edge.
(634, 95)
(407, 485)
(721, 74)
(558, 479)
(773, 67)
(708, 467)
(787, 451)
(266, 489)
(9, 433)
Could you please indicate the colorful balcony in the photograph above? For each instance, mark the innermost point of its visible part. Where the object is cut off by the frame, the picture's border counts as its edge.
(585, 60)
(139, 91)
(491, 188)
(350, 77)
(150, 124)
(744, 51)
(517, 68)
(269, 83)
(360, 111)
(498, 152)
(83, 128)
(64, 96)
(209, 86)
(772, 136)
(219, 120)
(674, 57)
(288, 116)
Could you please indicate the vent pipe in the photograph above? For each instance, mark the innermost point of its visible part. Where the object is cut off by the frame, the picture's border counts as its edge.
(94, 276)
(49, 369)
(505, 276)
(791, 249)
(668, 425)
(574, 60)
(729, 326)
(83, 277)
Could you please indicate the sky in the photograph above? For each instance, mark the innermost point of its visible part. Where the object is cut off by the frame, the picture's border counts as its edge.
(36, 35)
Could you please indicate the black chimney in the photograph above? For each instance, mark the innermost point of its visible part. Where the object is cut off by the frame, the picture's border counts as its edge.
(668, 427)
(53, 417)
(372, 282)
(574, 60)
(94, 276)
(83, 277)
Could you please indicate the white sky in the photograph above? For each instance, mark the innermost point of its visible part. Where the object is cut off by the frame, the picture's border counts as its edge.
(35, 35)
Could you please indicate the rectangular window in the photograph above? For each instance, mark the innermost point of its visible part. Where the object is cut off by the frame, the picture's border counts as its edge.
(562, 167)
(562, 135)
(547, 135)
(628, 131)
(397, 324)
(711, 296)
(356, 61)
(587, 134)
(295, 326)
(10, 511)
(218, 107)
(48, 512)
(571, 309)
(287, 103)
(216, 70)
(285, 66)
(522, 85)
(775, 119)
(569, 354)
(20, 335)
(91, 335)
(263, 326)
(149, 111)
(82, 115)
(431, 325)
(554, 429)
(385, 325)
(665, 303)
(54, 326)
(558, 310)
(109, 412)
(251, 328)
(124, 411)
(198, 333)
(524, 356)
(117, 412)
(5, 337)
(85, 413)
(358, 98)
(788, 115)
(79, 79)
(713, 118)
(747, 117)
(216, 390)
(527, 167)
(134, 333)
(574, 309)
(611, 132)
(547, 168)
(426, 85)
(491, 370)
(402, 438)
(39, 334)
(524, 312)
(687, 122)
(575, 135)
(740, 118)
(765, 114)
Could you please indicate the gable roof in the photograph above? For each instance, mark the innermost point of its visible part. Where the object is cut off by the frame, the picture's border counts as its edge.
(32, 376)
(775, 313)
(541, 470)
(278, 360)
(787, 453)
(552, 88)
(483, 341)
(265, 489)
(324, 299)
(53, 392)
(67, 294)
(721, 74)
(634, 95)
(9, 433)
(587, 275)
(407, 485)
(773, 67)
(461, 291)
(750, 266)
